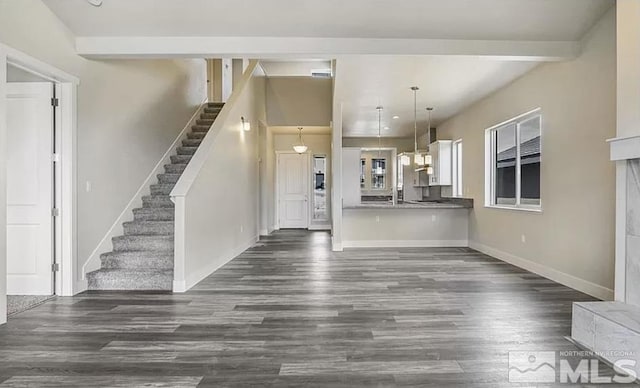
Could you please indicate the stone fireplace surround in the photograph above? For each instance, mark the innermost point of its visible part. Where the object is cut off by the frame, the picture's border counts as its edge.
(613, 328)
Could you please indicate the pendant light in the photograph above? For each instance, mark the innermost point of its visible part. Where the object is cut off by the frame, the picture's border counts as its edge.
(379, 166)
(428, 160)
(300, 148)
(418, 159)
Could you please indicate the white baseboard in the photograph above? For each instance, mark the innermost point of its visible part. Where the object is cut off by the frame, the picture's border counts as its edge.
(197, 276)
(93, 262)
(563, 278)
(264, 232)
(404, 243)
(320, 227)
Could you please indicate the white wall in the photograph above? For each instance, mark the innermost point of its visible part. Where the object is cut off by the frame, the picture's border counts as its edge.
(572, 240)
(129, 112)
(299, 101)
(405, 227)
(401, 144)
(221, 184)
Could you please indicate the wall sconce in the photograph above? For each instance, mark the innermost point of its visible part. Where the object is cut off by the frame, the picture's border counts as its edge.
(246, 125)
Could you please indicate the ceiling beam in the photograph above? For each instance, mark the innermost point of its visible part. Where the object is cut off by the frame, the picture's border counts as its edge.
(269, 47)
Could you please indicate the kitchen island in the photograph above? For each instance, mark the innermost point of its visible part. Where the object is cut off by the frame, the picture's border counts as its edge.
(409, 224)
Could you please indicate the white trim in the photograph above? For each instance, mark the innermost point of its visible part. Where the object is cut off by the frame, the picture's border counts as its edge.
(405, 243)
(323, 226)
(620, 271)
(92, 263)
(625, 147)
(3, 186)
(290, 47)
(521, 208)
(36, 66)
(563, 278)
(198, 276)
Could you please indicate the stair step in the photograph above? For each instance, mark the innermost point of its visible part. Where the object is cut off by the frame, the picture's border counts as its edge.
(208, 116)
(137, 260)
(154, 214)
(154, 201)
(214, 110)
(143, 243)
(200, 128)
(149, 228)
(191, 142)
(205, 122)
(196, 135)
(215, 104)
(128, 279)
(181, 159)
(174, 168)
(168, 178)
(162, 189)
(186, 150)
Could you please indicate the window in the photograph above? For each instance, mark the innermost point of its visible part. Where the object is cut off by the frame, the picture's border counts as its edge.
(363, 167)
(457, 169)
(320, 188)
(513, 163)
(378, 173)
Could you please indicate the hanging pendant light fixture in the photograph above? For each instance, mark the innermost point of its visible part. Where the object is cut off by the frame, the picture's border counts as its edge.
(379, 166)
(418, 159)
(428, 160)
(300, 148)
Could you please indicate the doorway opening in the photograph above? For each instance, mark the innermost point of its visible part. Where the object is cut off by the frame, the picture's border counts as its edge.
(292, 190)
(39, 128)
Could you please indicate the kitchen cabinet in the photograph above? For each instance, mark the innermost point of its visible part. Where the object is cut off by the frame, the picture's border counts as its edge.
(441, 162)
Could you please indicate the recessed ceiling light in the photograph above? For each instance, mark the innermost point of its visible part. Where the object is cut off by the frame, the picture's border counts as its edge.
(387, 128)
(396, 117)
(95, 3)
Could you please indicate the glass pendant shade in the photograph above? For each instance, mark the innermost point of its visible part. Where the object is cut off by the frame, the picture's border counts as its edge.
(301, 149)
(418, 159)
(379, 170)
(405, 160)
(428, 160)
(430, 170)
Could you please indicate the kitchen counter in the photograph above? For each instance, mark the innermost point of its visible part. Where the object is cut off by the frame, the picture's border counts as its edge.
(408, 205)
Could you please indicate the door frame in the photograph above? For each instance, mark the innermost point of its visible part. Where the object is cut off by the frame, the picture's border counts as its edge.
(66, 86)
(277, 178)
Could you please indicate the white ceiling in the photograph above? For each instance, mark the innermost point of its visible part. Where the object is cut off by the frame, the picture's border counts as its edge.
(448, 84)
(553, 20)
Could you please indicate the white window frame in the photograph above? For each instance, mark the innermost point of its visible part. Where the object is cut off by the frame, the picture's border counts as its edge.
(457, 189)
(490, 161)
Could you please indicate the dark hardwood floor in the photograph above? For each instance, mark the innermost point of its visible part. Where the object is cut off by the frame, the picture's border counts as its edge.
(289, 312)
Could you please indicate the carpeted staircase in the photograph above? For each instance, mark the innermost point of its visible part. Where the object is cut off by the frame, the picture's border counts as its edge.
(142, 259)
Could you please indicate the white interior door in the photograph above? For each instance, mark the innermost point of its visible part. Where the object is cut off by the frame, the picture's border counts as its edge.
(29, 188)
(293, 190)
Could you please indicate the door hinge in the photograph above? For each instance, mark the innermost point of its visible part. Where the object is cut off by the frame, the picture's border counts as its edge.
(55, 102)
(55, 267)
(55, 212)
(55, 158)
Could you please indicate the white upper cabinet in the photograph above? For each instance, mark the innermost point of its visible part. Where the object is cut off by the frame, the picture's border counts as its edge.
(441, 153)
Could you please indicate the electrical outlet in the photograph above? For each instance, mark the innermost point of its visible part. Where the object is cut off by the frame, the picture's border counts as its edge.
(377, 218)
(241, 228)
(434, 218)
(87, 186)
(523, 238)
